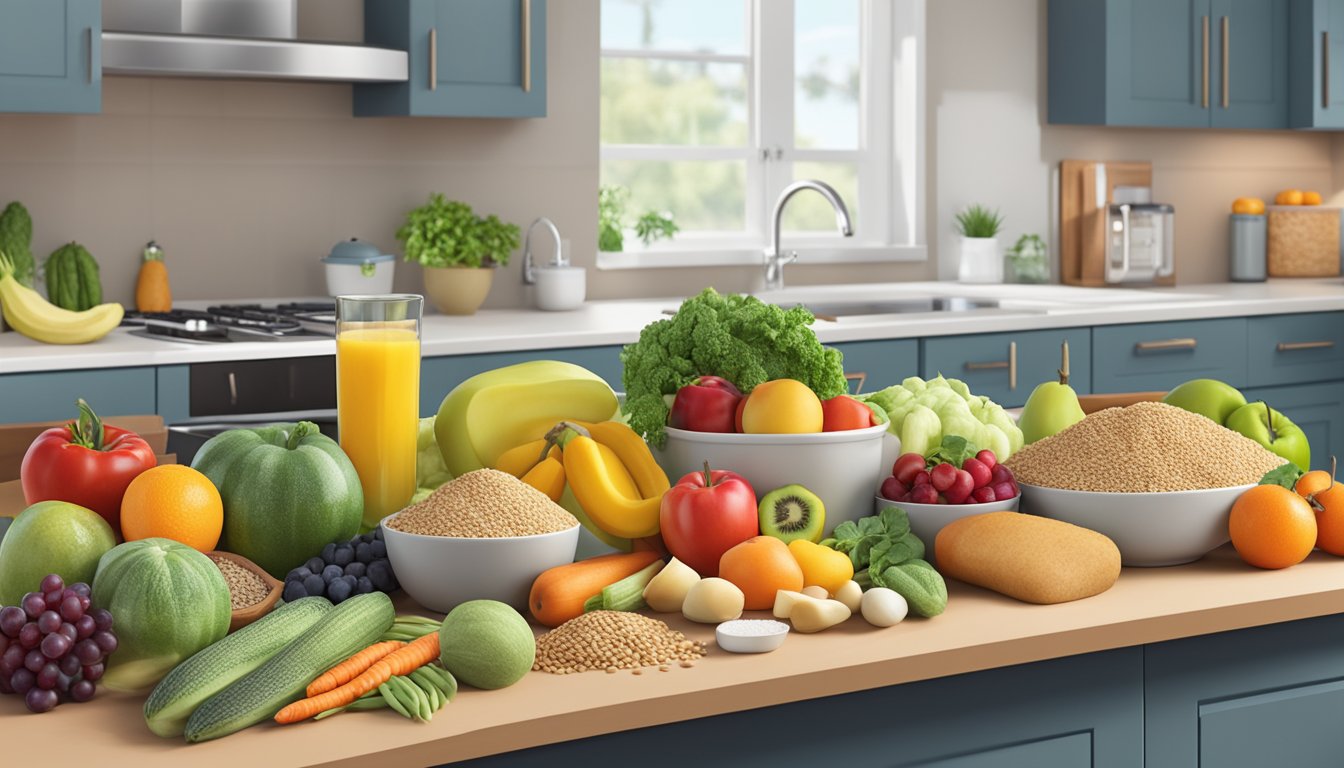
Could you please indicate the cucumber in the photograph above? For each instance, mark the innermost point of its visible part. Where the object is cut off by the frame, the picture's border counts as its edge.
(217, 666)
(345, 630)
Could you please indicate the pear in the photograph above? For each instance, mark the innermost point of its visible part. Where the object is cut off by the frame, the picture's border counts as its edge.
(1052, 407)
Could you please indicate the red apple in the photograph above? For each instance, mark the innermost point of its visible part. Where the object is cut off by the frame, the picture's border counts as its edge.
(843, 412)
(737, 417)
(705, 405)
(705, 514)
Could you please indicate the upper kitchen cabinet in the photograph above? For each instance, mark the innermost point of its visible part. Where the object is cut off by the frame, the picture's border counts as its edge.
(1316, 64)
(468, 58)
(1172, 63)
(50, 56)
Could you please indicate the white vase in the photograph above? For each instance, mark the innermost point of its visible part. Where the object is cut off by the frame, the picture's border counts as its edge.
(980, 260)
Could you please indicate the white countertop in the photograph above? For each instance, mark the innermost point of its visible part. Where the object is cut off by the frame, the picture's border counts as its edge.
(600, 323)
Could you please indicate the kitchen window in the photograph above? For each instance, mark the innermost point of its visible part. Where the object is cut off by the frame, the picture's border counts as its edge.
(709, 108)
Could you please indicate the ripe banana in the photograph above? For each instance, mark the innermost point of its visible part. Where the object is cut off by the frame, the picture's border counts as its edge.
(38, 319)
(593, 486)
(634, 454)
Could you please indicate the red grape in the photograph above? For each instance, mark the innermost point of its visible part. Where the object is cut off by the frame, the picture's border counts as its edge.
(983, 495)
(48, 676)
(34, 661)
(39, 700)
(1004, 491)
(22, 681)
(923, 493)
(63, 682)
(88, 652)
(52, 583)
(12, 619)
(84, 626)
(93, 672)
(921, 478)
(893, 488)
(33, 604)
(5, 641)
(30, 635)
(961, 487)
(5, 686)
(49, 622)
(906, 466)
(53, 598)
(942, 476)
(106, 641)
(69, 631)
(55, 645)
(102, 617)
(81, 691)
(980, 473)
(69, 665)
(987, 458)
(70, 607)
(12, 659)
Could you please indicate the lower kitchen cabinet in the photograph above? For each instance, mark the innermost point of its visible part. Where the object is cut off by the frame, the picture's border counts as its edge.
(1148, 357)
(51, 395)
(1005, 367)
(881, 363)
(1317, 408)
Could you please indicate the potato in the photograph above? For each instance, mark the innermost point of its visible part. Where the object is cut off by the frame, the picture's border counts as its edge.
(667, 591)
(883, 607)
(713, 600)
(851, 594)
(816, 615)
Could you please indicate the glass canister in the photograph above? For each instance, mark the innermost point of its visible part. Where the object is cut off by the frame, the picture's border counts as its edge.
(1247, 234)
(378, 395)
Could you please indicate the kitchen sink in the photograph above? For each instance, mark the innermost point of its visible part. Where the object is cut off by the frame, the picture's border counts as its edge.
(833, 309)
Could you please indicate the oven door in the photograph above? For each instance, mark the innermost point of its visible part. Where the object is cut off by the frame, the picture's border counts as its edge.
(185, 438)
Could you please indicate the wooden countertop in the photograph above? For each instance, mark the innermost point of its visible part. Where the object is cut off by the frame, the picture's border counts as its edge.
(979, 630)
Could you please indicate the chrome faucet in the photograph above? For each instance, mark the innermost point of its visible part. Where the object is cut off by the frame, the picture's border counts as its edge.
(776, 259)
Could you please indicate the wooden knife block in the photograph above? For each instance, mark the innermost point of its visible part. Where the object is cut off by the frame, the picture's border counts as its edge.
(1082, 217)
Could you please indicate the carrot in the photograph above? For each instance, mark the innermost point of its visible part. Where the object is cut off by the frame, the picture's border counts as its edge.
(350, 668)
(558, 593)
(402, 661)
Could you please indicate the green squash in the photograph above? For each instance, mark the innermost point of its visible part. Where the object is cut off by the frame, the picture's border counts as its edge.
(288, 490)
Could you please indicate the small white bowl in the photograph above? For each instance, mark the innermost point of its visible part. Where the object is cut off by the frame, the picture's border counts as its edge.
(440, 572)
(926, 520)
(751, 635)
(1151, 529)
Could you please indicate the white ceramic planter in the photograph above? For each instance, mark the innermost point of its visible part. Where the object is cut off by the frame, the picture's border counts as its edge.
(980, 260)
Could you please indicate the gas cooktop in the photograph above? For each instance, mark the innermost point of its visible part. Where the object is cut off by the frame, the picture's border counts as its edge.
(224, 323)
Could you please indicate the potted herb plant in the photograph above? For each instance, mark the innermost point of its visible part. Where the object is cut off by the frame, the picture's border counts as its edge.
(980, 260)
(459, 251)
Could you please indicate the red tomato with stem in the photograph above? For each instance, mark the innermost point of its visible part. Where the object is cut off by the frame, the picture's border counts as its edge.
(705, 514)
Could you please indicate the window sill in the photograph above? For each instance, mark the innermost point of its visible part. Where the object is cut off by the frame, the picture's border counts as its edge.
(709, 256)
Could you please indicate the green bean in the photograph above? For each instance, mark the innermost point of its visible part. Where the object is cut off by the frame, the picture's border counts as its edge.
(414, 699)
(431, 685)
(391, 698)
(447, 683)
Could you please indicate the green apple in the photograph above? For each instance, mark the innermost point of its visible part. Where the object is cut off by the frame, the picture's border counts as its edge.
(1207, 397)
(1273, 430)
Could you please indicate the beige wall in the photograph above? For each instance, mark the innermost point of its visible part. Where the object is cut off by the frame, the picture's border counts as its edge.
(247, 184)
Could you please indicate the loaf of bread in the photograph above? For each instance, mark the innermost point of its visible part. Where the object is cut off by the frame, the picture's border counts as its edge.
(1034, 559)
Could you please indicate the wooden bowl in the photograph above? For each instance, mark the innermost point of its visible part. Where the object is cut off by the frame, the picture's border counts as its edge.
(244, 616)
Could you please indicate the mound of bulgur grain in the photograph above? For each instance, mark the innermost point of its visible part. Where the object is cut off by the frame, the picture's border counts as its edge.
(613, 640)
(245, 587)
(484, 504)
(1143, 448)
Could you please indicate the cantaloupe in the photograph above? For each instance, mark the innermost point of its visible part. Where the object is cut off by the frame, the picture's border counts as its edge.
(486, 644)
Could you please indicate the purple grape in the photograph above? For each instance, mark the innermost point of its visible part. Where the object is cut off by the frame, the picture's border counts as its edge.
(34, 661)
(47, 677)
(52, 583)
(30, 635)
(5, 642)
(68, 592)
(70, 665)
(70, 608)
(39, 700)
(55, 645)
(12, 659)
(92, 672)
(33, 604)
(53, 598)
(5, 687)
(69, 631)
(106, 641)
(12, 619)
(88, 652)
(81, 691)
(22, 681)
(84, 626)
(102, 618)
(63, 682)
(82, 589)
(49, 622)
(85, 602)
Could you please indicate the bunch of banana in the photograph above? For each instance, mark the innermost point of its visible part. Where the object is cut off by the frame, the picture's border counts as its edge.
(603, 473)
(33, 316)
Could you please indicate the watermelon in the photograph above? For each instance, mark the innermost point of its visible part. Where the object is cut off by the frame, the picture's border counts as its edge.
(168, 601)
(288, 490)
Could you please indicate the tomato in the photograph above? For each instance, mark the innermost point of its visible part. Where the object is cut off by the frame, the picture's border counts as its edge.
(85, 462)
(706, 514)
(844, 412)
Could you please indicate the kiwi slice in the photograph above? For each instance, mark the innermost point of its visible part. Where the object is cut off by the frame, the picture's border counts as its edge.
(792, 512)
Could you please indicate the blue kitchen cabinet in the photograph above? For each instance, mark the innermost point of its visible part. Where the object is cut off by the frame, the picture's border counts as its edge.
(874, 365)
(1005, 367)
(1076, 712)
(51, 396)
(1168, 63)
(1317, 408)
(50, 56)
(468, 58)
(1157, 356)
(1265, 696)
(1295, 349)
(1316, 64)
(438, 375)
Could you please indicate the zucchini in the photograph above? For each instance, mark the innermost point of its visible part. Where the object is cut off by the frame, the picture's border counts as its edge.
(345, 630)
(215, 667)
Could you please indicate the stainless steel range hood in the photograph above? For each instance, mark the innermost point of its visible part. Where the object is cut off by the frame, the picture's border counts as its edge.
(232, 39)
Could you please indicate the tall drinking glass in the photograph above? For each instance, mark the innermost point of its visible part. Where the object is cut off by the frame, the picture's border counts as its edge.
(378, 395)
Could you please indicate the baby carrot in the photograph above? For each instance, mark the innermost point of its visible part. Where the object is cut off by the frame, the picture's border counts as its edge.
(350, 668)
(400, 662)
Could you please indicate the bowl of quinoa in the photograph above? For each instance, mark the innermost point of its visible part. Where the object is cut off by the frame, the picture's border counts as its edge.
(483, 535)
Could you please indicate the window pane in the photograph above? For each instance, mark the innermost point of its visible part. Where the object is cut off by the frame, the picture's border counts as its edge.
(826, 74)
(673, 102)
(715, 26)
(808, 211)
(700, 195)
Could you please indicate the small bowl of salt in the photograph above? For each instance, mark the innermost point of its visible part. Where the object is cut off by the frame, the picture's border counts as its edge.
(751, 635)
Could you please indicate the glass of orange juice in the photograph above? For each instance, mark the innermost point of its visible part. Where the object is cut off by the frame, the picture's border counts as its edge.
(378, 395)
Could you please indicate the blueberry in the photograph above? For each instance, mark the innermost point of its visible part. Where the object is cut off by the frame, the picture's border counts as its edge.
(380, 573)
(315, 586)
(294, 590)
(298, 574)
(379, 550)
(378, 533)
(355, 569)
(314, 565)
(344, 555)
(364, 552)
(329, 552)
(363, 586)
(339, 590)
(332, 572)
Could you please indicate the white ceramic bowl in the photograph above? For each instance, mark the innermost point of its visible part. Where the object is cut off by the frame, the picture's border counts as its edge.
(841, 468)
(439, 572)
(751, 635)
(1151, 529)
(926, 520)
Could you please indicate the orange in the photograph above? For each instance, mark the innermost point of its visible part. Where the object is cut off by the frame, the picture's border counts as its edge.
(760, 567)
(1330, 520)
(1313, 482)
(782, 406)
(1311, 198)
(175, 502)
(1289, 197)
(1252, 206)
(1272, 527)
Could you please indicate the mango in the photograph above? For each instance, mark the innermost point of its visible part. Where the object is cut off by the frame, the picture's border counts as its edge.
(822, 566)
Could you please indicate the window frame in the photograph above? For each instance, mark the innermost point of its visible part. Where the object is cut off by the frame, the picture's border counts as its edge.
(890, 156)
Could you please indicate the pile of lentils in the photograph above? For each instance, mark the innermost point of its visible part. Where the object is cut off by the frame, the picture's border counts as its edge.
(613, 640)
(484, 504)
(246, 588)
(1143, 448)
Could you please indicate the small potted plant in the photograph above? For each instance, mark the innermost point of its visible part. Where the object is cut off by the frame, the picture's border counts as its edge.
(1027, 261)
(459, 251)
(980, 260)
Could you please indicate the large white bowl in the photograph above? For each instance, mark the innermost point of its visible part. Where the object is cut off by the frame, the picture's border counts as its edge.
(440, 572)
(926, 520)
(841, 468)
(1151, 529)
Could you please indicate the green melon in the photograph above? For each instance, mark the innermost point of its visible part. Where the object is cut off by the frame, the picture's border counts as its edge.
(51, 537)
(168, 601)
(486, 644)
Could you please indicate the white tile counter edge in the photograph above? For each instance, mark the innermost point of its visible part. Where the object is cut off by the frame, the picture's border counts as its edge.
(601, 323)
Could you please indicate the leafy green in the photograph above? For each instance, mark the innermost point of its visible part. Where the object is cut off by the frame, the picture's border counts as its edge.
(448, 234)
(954, 450)
(886, 553)
(740, 338)
(655, 226)
(917, 581)
(610, 212)
(16, 240)
(1286, 475)
(979, 221)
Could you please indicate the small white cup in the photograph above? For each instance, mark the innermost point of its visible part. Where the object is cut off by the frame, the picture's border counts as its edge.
(559, 288)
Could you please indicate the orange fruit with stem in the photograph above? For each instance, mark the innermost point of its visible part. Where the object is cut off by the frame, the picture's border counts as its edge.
(760, 567)
(1326, 497)
(1272, 527)
(175, 502)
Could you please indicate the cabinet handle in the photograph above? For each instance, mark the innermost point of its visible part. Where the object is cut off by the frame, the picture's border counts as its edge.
(433, 58)
(1010, 364)
(1293, 346)
(527, 46)
(858, 377)
(233, 389)
(1204, 98)
(1325, 69)
(1165, 344)
(1227, 77)
(95, 56)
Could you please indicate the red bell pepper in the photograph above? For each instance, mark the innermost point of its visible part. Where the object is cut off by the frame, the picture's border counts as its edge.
(87, 463)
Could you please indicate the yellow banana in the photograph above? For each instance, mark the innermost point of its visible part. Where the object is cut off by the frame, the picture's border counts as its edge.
(620, 476)
(595, 490)
(520, 459)
(572, 505)
(38, 319)
(634, 454)
(548, 476)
